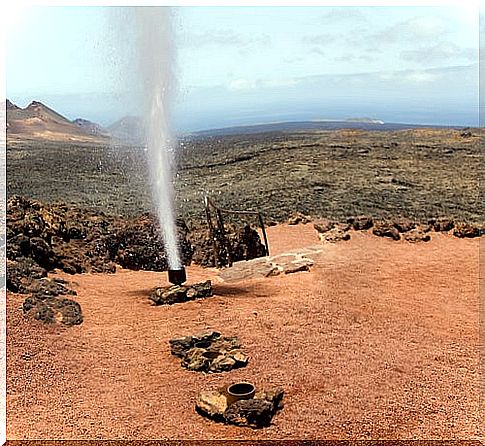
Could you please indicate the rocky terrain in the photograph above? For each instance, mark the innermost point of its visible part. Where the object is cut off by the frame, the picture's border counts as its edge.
(46, 237)
(365, 312)
(418, 174)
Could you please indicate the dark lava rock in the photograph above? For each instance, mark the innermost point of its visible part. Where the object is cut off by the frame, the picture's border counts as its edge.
(53, 310)
(336, 234)
(181, 293)
(361, 223)
(416, 235)
(465, 230)
(180, 346)
(442, 224)
(255, 412)
(21, 272)
(138, 244)
(199, 290)
(297, 218)
(274, 396)
(252, 413)
(322, 225)
(245, 244)
(81, 240)
(209, 352)
(386, 230)
(45, 287)
(404, 224)
(168, 296)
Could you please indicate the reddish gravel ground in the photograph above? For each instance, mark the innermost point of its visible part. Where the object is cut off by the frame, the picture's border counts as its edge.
(378, 341)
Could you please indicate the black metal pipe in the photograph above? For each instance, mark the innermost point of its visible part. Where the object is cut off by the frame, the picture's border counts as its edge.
(177, 276)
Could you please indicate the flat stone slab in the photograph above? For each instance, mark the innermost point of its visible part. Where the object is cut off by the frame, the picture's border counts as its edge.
(286, 263)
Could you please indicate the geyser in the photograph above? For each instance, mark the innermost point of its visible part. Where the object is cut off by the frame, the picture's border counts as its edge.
(155, 52)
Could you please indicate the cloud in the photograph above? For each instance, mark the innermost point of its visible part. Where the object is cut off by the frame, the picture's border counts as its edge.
(242, 84)
(318, 50)
(421, 77)
(354, 58)
(223, 37)
(416, 29)
(441, 52)
(389, 79)
(343, 14)
(319, 39)
(252, 84)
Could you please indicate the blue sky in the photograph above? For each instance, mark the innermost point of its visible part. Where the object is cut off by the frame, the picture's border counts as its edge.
(244, 65)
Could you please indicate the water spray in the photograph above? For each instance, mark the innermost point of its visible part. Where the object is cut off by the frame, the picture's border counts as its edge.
(155, 52)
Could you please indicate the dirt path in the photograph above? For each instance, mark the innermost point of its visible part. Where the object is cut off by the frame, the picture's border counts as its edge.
(379, 340)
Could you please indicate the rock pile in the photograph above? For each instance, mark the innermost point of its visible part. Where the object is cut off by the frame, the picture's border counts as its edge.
(254, 412)
(46, 301)
(408, 229)
(78, 240)
(209, 352)
(181, 293)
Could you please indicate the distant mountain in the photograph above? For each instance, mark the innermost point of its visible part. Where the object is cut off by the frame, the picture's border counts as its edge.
(128, 130)
(11, 106)
(90, 127)
(298, 126)
(38, 121)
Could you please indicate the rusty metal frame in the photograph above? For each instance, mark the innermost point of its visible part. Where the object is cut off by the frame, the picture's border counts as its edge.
(209, 204)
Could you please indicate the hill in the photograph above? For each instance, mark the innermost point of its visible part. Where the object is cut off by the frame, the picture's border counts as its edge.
(39, 122)
(128, 129)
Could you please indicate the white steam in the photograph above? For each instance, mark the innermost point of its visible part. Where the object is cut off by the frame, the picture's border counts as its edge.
(154, 51)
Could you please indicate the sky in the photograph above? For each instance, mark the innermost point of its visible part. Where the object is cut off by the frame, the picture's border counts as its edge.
(248, 65)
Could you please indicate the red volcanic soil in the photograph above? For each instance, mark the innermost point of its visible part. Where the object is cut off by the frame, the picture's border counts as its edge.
(378, 340)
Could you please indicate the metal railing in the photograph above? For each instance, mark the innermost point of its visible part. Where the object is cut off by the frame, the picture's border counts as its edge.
(219, 228)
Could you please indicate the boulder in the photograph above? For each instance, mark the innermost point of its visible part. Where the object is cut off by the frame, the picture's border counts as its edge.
(337, 234)
(199, 290)
(212, 404)
(361, 222)
(252, 413)
(53, 310)
(274, 396)
(245, 244)
(323, 225)
(297, 218)
(386, 230)
(20, 274)
(169, 295)
(466, 230)
(442, 224)
(180, 293)
(46, 287)
(222, 362)
(416, 235)
(404, 224)
(255, 412)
